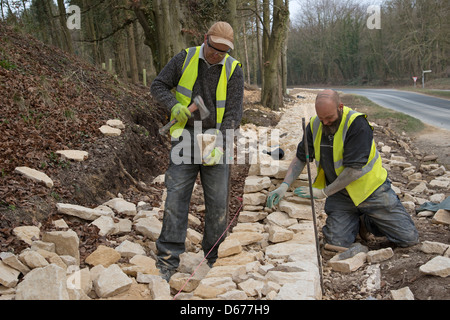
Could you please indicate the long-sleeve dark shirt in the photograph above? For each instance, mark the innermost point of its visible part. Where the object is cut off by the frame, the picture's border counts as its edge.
(357, 146)
(206, 87)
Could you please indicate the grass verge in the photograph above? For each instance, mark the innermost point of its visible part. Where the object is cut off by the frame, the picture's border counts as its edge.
(430, 92)
(398, 121)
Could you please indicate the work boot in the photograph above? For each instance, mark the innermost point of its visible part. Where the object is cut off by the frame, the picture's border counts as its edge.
(166, 273)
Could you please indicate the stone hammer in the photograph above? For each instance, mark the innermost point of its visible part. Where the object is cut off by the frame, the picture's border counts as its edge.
(198, 104)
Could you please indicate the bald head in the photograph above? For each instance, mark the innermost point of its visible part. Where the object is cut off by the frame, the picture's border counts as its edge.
(328, 95)
(329, 109)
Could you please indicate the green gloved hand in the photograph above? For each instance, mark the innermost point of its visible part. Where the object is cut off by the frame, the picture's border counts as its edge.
(213, 157)
(276, 195)
(180, 112)
(303, 192)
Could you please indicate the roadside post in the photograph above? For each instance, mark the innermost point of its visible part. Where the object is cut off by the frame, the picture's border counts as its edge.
(415, 80)
(423, 77)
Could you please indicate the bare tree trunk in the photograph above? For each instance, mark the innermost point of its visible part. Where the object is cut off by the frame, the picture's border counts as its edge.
(66, 34)
(272, 95)
(246, 55)
(54, 34)
(231, 19)
(284, 67)
(132, 55)
(162, 29)
(118, 42)
(265, 39)
(91, 34)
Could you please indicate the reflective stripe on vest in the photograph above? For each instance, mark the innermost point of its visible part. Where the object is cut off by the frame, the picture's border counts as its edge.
(373, 173)
(189, 77)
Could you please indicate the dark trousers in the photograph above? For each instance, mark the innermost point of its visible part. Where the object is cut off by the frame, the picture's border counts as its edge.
(383, 215)
(180, 180)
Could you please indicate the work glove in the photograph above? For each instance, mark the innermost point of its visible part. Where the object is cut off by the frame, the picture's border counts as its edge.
(213, 157)
(180, 112)
(276, 195)
(303, 192)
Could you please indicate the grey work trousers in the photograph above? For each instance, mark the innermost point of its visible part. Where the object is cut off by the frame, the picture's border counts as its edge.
(382, 213)
(180, 180)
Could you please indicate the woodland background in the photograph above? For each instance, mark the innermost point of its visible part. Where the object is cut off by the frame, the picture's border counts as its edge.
(325, 42)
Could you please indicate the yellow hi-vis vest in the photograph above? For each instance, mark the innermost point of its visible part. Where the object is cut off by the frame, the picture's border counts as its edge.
(188, 79)
(374, 174)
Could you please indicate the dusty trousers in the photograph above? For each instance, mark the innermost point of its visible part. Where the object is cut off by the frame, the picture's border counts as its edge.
(383, 215)
(180, 180)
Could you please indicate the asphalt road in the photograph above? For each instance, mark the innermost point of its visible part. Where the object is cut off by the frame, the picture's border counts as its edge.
(430, 110)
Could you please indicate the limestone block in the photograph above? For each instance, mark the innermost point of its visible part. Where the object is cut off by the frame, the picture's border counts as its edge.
(79, 281)
(229, 247)
(283, 278)
(434, 247)
(286, 249)
(254, 199)
(233, 295)
(438, 266)
(144, 264)
(252, 287)
(122, 206)
(66, 242)
(103, 255)
(211, 287)
(441, 183)
(281, 219)
(32, 259)
(279, 234)
(110, 131)
(402, 294)
(75, 155)
(111, 282)
(376, 256)
(231, 271)
(250, 227)
(348, 265)
(441, 217)
(35, 175)
(123, 226)
(159, 288)
(128, 249)
(106, 225)
(246, 238)
(241, 258)
(27, 233)
(252, 216)
(256, 184)
(303, 289)
(47, 283)
(9, 277)
(115, 123)
(80, 211)
(150, 227)
(13, 261)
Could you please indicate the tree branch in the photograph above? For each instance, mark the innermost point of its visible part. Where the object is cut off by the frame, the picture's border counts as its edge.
(125, 24)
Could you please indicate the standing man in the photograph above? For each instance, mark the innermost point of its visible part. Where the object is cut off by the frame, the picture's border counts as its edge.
(210, 72)
(350, 176)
